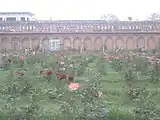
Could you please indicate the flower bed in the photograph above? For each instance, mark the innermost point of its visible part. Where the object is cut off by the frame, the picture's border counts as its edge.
(75, 88)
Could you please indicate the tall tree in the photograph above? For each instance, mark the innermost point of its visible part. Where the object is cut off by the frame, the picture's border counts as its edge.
(110, 17)
(154, 16)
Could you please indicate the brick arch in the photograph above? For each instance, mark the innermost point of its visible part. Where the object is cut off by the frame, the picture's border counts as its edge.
(15, 43)
(5, 43)
(77, 43)
(98, 43)
(45, 42)
(140, 42)
(35, 43)
(119, 42)
(67, 43)
(109, 43)
(25, 43)
(151, 43)
(130, 43)
(87, 43)
(158, 42)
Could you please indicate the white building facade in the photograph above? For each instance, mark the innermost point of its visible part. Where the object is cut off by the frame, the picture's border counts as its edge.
(16, 16)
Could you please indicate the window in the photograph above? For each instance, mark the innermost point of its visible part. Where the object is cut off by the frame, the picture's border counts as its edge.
(11, 19)
(1, 19)
(22, 18)
(54, 45)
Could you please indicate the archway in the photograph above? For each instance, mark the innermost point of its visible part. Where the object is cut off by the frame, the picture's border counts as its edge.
(98, 43)
(35, 43)
(158, 43)
(25, 43)
(119, 42)
(5, 44)
(109, 44)
(130, 43)
(140, 42)
(66, 43)
(15, 43)
(77, 43)
(87, 44)
(151, 43)
(45, 42)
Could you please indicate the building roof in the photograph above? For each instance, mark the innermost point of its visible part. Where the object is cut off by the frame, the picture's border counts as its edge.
(26, 13)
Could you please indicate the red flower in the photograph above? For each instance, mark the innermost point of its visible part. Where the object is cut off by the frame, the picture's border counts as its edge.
(60, 76)
(131, 59)
(106, 56)
(73, 86)
(21, 57)
(117, 57)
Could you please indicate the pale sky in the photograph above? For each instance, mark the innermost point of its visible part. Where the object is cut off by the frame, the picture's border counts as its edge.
(82, 9)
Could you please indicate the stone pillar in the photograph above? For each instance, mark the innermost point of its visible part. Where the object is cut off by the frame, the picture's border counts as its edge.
(103, 48)
(125, 43)
(92, 46)
(81, 49)
(10, 43)
(135, 43)
(20, 44)
(40, 44)
(146, 43)
(157, 43)
(72, 42)
(30, 43)
(103, 44)
(61, 43)
(114, 44)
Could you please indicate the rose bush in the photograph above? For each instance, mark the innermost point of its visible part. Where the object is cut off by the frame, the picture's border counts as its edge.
(74, 90)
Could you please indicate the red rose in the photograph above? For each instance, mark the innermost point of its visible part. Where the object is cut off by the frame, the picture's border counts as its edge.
(60, 76)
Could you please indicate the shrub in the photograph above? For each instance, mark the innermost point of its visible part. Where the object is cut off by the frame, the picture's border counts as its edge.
(117, 114)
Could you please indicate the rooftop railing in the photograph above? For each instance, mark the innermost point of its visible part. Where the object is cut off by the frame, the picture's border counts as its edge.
(80, 26)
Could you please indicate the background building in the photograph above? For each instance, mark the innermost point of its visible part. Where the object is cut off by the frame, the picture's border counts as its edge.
(75, 34)
(16, 16)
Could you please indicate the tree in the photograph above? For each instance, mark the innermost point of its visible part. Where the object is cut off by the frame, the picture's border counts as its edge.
(129, 18)
(110, 17)
(154, 16)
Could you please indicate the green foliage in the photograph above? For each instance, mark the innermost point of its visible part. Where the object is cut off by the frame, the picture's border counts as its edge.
(146, 109)
(101, 66)
(85, 103)
(29, 112)
(117, 114)
(117, 64)
(32, 97)
(129, 75)
(155, 73)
